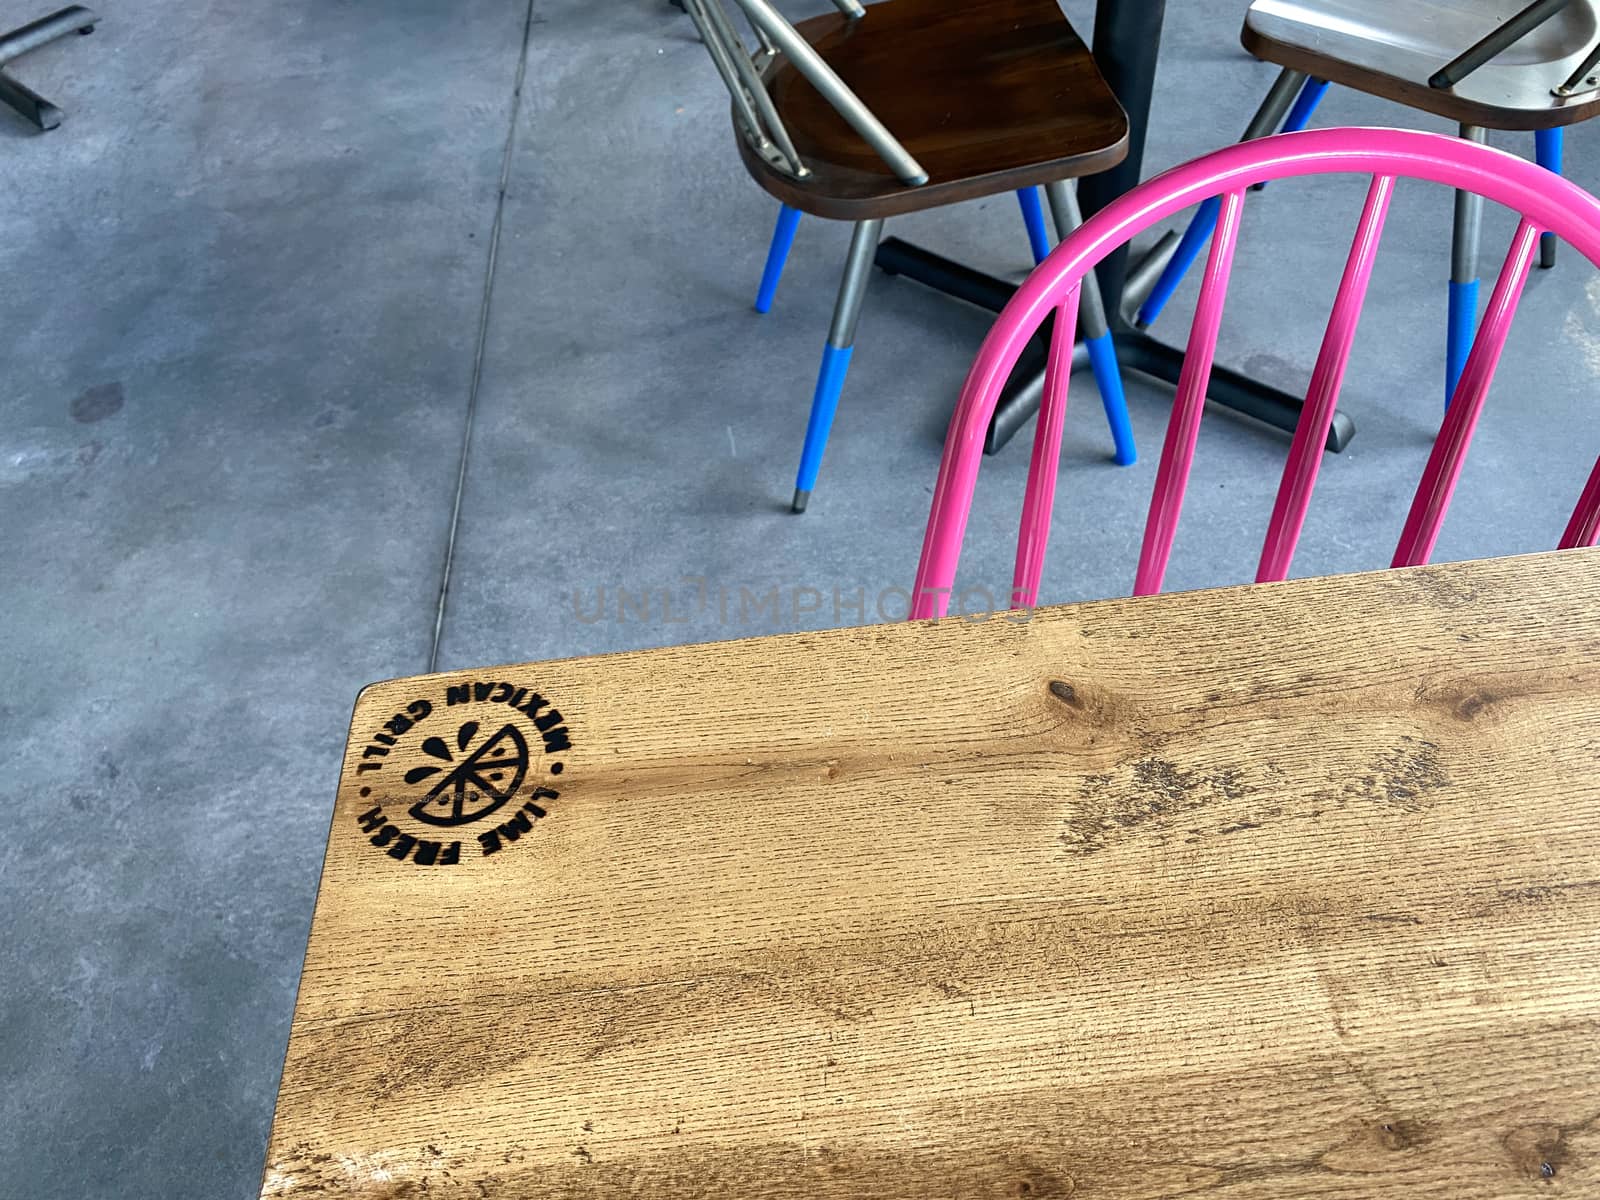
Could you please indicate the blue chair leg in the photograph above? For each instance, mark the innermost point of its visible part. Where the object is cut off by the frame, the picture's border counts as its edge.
(1311, 93)
(836, 357)
(1462, 321)
(1096, 331)
(1547, 150)
(1462, 327)
(1288, 91)
(1108, 378)
(777, 255)
(824, 403)
(1033, 218)
(1189, 247)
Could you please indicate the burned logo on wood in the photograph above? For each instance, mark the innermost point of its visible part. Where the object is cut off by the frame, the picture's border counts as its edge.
(481, 759)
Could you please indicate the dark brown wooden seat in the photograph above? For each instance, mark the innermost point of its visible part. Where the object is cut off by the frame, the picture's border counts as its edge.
(988, 97)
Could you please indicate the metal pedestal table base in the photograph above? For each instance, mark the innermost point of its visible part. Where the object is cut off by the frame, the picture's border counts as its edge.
(1136, 350)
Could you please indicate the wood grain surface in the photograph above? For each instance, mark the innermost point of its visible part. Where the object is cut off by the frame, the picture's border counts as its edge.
(1279, 891)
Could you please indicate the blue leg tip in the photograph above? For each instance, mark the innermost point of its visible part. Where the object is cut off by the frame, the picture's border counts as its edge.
(1189, 247)
(1460, 330)
(1311, 93)
(1033, 218)
(777, 256)
(824, 402)
(1108, 377)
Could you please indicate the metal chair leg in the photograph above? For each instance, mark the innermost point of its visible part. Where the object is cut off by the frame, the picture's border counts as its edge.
(1096, 331)
(1033, 218)
(1274, 105)
(1547, 145)
(29, 104)
(1311, 94)
(836, 356)
(1463, 300)
(777, 255)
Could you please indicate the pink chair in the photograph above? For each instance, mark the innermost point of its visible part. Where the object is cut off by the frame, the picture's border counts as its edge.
(1546, 205)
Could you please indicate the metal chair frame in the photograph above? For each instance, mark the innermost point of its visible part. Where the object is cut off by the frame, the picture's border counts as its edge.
(743, 73)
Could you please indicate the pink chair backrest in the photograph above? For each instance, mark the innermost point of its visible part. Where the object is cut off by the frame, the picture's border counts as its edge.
(1546, 204)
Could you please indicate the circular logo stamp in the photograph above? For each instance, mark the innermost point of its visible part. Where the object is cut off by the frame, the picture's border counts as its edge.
(469, 767)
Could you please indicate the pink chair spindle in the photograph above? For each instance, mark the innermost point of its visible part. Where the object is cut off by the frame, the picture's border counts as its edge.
(1177, 455)
(1042, 467)
(1322, 396)
(1438, 484)
(1584, 527)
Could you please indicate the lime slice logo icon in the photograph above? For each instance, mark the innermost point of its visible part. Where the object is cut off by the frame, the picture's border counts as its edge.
(475, 786)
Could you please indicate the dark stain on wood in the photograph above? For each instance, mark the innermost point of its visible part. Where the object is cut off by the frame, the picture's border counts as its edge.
(1065, 692)
(1178, 785)
(1084, 715)
(1544, 893)
(1538, 1151)
(1444, 589)
(1402, 1135)
(1474, 701)
(1404, 778)
(1156, 792)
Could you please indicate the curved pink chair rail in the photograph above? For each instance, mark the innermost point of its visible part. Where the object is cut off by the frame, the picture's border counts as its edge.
(1546, 203)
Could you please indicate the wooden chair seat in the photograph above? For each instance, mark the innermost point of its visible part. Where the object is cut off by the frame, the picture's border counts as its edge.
(988, 97)
(1390, 49)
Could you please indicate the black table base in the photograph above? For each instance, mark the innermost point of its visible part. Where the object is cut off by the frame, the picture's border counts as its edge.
(1136, 351)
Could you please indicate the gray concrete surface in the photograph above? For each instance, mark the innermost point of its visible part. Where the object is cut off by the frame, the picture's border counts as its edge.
(242, 299)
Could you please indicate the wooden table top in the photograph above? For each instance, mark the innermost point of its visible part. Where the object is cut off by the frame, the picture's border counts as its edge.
(1278, 891)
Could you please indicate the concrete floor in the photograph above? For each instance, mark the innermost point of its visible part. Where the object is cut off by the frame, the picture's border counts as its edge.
(241, 314)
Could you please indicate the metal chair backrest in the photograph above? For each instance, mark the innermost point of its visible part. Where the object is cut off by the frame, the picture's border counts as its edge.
(1545, 203)
(744, 72)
